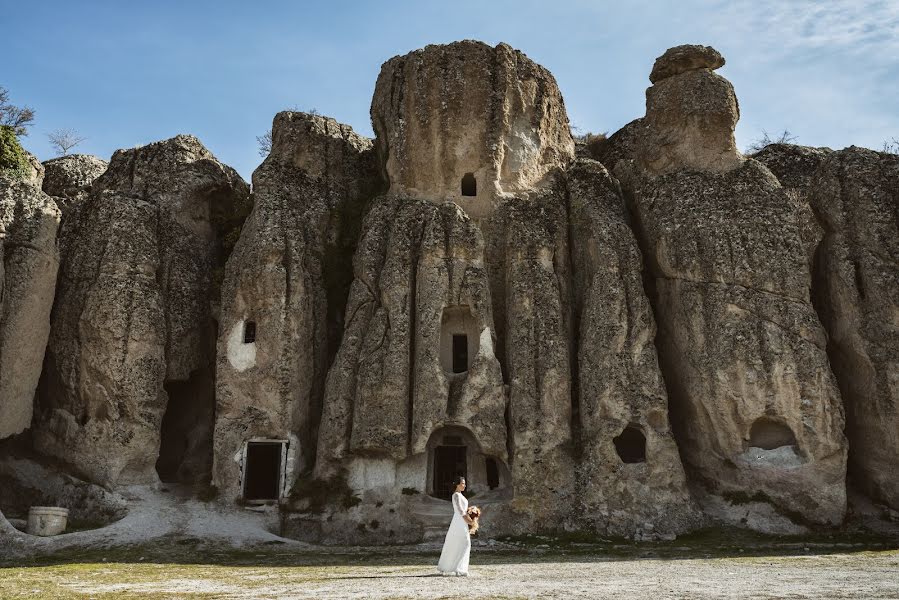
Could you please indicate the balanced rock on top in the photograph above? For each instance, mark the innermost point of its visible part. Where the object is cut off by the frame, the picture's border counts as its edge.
(681, 59)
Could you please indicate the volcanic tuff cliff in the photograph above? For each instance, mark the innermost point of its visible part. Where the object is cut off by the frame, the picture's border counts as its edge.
(636, 339)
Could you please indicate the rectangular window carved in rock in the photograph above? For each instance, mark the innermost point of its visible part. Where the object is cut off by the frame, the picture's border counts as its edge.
(460, 353)
(263, 470)
(249, 332)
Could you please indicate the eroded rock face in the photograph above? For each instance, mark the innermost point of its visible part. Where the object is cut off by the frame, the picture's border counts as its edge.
(70, 175)
(288, 279)
(446, 111)
(133, 308)
(420, 278)
(754, 403)
(855, 194)
(691, 113)
(680, 59)
(29, 220)
(68, 179)
(739, 339)
(629, 472)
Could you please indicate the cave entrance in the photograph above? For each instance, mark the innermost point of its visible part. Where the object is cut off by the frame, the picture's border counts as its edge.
(768, 434)
(449, 462)
(492, 473)
(469, 185)
(263, 470)
(460, 353)
(185, 444)
(631, 445)
(459, 339)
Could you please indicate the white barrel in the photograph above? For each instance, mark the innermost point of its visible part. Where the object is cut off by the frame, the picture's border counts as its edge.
(47, 520)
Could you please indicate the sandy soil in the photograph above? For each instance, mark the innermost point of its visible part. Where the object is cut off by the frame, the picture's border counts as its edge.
(858, 575)
(172, 546)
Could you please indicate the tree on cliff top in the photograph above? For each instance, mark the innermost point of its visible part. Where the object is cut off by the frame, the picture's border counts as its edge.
(766, 140)
(18, 119)
(64, 140)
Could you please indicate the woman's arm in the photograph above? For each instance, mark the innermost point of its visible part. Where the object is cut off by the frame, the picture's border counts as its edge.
(457, 506)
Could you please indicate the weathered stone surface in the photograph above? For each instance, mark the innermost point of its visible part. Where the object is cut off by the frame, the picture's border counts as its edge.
(68, 180)
(680, 59)
(70, 175)
(754, 403)
(388, 390)
(620, 387)
(855, 194)
(133, 308)
(25, 483)
(29, 220)
(621, 145)
(528, 260)
(448, 110)
(689, 123)
(289, 274)
(740, 343)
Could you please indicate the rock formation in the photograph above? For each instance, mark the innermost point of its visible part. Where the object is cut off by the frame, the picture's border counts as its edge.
(468, 123)
(29, 261)
(855, 195)
(284, 291)
(652, 335)
(68, 179)
(753, 400)
(133, 318)
(630, 472)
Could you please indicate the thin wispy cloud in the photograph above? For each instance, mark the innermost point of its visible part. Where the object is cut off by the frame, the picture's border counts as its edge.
(852, 27)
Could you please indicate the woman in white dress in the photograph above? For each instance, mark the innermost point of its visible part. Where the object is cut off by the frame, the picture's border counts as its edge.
(457, 547)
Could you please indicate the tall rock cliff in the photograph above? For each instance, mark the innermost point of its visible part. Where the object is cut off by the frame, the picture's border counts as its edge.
(287, 281)
(629, 472)
(29, 260)
(754, 403)
(133, 324)
(855, 195)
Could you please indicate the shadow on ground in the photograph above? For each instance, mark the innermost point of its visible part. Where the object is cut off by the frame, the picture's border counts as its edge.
(708, 543)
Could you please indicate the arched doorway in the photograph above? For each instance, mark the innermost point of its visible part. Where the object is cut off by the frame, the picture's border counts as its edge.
(453, 451)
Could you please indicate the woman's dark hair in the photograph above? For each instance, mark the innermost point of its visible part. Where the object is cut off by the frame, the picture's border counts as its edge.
(457, 480)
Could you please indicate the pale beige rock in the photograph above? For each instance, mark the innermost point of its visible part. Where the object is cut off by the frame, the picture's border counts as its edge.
(855, 193)
(620, 387)
(29, 260)
(68, 179)
(740, 342)
(70, 175)
(133, 311)
(445, 111)
(689, 122)
(388, 391)
(680, 59)
(289, 274)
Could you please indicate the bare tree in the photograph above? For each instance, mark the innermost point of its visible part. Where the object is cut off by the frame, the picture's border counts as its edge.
(891, 146)
(265, 143)
(766, 140)
(64, 140)
(13, 116)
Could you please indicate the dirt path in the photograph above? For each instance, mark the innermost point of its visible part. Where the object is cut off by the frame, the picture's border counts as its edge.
(856, 575)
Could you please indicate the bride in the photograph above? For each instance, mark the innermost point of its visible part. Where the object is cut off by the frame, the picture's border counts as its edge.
(456, 548)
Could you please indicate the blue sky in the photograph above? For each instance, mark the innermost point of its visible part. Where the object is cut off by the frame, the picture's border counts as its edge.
(125, 73)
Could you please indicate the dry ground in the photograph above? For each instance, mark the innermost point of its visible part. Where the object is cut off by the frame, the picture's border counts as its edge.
(714, 567)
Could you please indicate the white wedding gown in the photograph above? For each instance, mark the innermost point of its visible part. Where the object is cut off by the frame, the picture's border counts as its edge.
(457, 547)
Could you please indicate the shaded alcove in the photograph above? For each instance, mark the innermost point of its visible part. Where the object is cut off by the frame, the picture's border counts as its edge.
(630, 445)
(263, 470)
(454, 451)
(469, 185)
(459, 339)
(249, 332)
(185, 448)
(768, 434)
